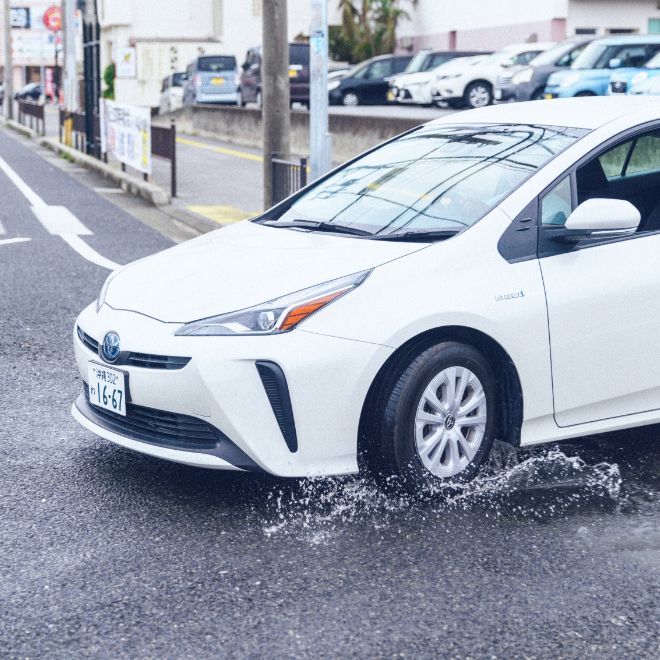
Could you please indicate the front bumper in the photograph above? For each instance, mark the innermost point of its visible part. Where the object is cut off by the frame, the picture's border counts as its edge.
(221, 387)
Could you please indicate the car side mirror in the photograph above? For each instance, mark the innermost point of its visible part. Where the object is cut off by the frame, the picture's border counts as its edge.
(602, 218)
(615, 63)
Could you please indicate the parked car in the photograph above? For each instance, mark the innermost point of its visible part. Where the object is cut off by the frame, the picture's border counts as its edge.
(473, 85)
(29, 92)
(367, 83)
(623, 80)
(590, 74)
(250, 84)
(649, 87)
(527, 82)
(171, 92)
(452, 286)
(211, 79)
(413, 86)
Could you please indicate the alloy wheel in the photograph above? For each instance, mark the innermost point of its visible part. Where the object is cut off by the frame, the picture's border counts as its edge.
(351, 99)
(479, 96)
(450, 422)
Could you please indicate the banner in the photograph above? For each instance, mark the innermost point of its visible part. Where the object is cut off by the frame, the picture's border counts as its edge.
(126, 134)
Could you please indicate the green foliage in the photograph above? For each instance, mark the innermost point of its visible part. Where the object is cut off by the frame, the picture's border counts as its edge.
(368, 28)
(109, 80)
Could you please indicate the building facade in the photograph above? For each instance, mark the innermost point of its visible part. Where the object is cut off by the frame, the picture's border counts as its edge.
(491, 24)
(167, 34)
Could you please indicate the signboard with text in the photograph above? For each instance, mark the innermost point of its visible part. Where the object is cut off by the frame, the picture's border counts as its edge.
(126, 134)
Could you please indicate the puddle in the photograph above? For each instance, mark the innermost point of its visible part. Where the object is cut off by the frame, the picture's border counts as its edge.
(540, 484)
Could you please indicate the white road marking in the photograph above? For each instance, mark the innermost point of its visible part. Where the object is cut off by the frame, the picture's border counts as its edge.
(9, 241)
(88, 252)
(58, 221)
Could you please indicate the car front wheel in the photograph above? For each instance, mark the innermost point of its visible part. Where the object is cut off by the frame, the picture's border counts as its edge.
(351, 98)
(478, 95)
(439, 419)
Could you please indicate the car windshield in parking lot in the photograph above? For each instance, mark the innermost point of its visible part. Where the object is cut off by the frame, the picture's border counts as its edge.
(216, 63)
(436, 178)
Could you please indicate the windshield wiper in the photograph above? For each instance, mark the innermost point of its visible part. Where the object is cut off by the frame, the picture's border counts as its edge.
(423, 235)
(317, 225)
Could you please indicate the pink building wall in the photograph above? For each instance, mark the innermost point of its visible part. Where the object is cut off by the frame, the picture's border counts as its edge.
(492, 38)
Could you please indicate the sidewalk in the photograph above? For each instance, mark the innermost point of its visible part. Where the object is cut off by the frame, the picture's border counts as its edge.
(218, 181)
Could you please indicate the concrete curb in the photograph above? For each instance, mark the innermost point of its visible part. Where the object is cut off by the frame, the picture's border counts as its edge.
(189, 219)
(148, 191)
(19, 128)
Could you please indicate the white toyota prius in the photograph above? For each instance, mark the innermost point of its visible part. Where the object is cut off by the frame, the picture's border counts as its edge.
(492, 274)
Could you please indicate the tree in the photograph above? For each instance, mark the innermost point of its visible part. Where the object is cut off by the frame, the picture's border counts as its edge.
(368, 28)
(109, 80)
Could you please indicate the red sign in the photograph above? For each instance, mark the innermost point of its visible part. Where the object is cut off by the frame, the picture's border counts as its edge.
(53, 18)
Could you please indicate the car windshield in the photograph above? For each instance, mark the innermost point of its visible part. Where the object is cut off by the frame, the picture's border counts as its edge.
(551, 56)
(177, 79)
(654, 62)
(299, 54)
(216, 63)
(436, 178)
(417, 63)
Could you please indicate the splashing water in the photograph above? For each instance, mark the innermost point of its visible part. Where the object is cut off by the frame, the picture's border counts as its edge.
(318, 508)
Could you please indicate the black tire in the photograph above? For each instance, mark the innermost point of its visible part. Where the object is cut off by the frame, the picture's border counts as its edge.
(538, 94)
(583, 94)
(487, 92)
(392, 455)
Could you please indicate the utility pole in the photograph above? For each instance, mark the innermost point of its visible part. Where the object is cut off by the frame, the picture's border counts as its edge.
(275, 93)
(70, 68)
(319, 133)
(8, 84)
(91, 36)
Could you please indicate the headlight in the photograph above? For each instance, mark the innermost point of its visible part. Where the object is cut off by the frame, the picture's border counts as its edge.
(104, 290)
(522, 76)
(275, 316)
(333, 84)
(569, 79)
(639, 78)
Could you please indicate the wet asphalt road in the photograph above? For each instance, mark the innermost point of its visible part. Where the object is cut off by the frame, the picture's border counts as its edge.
(108, 553)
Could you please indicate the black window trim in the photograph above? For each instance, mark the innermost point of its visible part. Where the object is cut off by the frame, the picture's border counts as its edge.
(514, 248)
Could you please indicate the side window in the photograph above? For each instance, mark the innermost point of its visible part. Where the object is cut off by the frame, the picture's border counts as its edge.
(400, 63)
(614, 160)
(379, 69)
(632, 56)
(645, 156)
(557, 204)
(568, 58)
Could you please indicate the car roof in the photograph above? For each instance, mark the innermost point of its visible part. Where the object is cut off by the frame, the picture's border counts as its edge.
(630, 39)
(589, 113)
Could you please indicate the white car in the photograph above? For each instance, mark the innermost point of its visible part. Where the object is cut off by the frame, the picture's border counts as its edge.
(493, 274)
(171, 92)
(473, 84)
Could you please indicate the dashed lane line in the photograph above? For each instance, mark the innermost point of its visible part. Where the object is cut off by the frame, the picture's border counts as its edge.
(220, 150)
(58, 221)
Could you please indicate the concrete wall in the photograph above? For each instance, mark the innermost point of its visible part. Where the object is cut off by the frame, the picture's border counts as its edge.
(604, 15)
(350, 135)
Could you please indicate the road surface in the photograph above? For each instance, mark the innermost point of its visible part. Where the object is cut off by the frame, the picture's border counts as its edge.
(109, 553)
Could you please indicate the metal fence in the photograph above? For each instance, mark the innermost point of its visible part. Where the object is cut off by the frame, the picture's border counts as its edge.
(32, 115)
(287, 177)
(163, 141)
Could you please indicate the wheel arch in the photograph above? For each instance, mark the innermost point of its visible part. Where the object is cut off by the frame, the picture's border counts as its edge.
(510, 404)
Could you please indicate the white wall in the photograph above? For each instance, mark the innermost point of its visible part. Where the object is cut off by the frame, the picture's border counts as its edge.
(605, 14)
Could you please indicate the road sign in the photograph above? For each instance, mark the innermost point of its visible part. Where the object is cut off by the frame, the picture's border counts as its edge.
(19, 18)
(53, 18)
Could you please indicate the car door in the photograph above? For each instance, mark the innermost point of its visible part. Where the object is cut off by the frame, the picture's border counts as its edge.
(603, 294)
(374, 86)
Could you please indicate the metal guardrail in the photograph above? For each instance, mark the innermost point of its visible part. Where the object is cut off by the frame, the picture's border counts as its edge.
(35, 113)
(72, 132)
(287, 177)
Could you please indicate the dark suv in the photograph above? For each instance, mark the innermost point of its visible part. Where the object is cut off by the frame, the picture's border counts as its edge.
(250, 85)
(367, 82)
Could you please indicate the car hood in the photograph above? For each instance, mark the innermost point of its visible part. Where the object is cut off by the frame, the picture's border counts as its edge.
(241, 266)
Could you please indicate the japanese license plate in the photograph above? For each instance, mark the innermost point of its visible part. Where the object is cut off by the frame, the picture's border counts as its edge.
(548, 96)
(107, 388)
(391, 95)
(217, 81)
